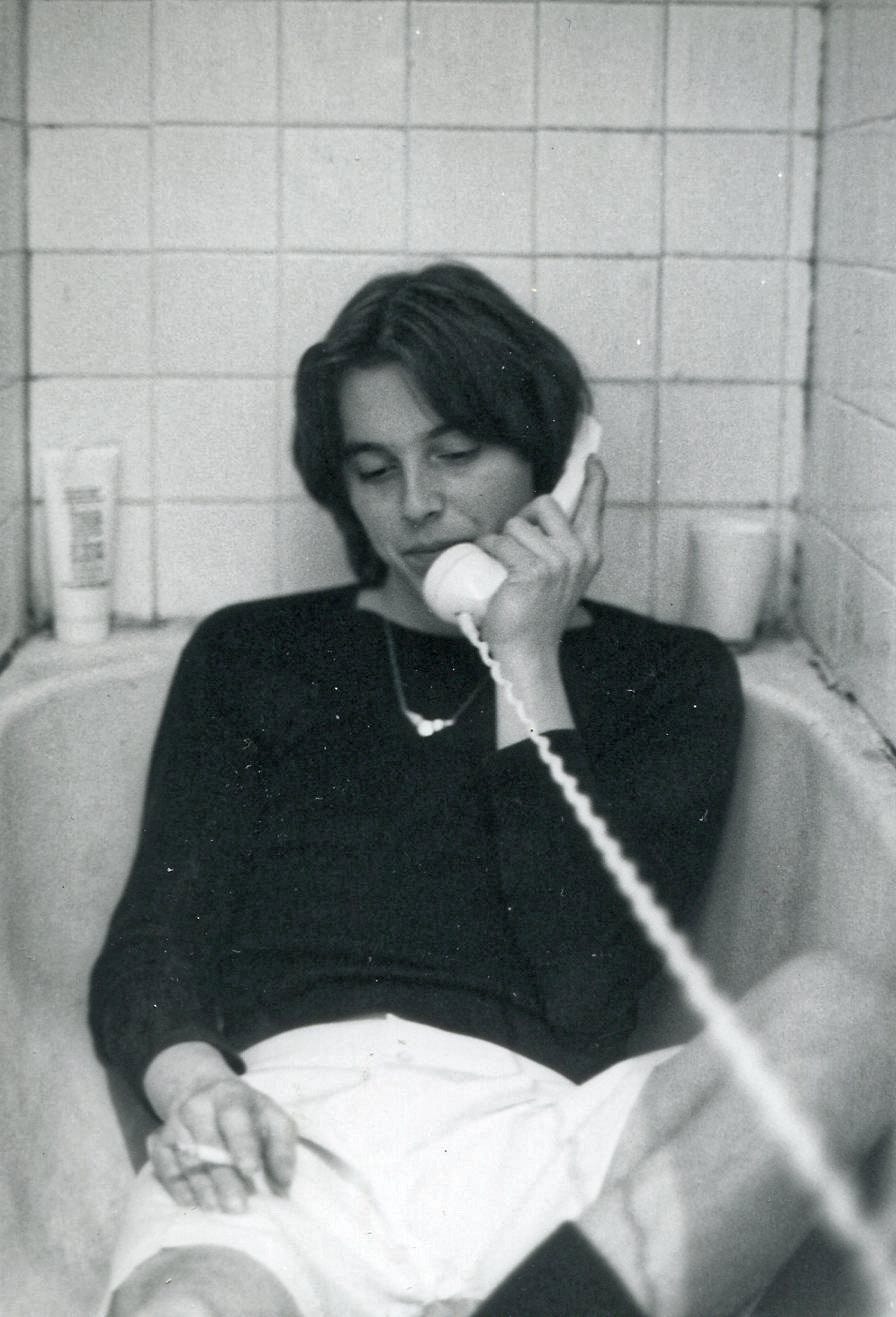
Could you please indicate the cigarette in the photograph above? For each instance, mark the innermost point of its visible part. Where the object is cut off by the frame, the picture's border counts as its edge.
(206, 1153)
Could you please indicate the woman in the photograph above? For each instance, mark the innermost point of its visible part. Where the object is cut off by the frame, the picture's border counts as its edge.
(377, 986)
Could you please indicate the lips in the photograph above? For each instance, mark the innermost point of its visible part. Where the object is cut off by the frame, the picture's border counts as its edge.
(423, 556)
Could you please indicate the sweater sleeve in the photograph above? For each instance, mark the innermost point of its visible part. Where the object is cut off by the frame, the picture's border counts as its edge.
(660, 777)
(154, 982)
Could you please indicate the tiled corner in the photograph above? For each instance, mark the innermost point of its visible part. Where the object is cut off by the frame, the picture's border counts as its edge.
(215, 314)
(343, 63)
(752, 44)
(726, 194)
(74, 412)
(343, 188)
(722, 319)
(471, 62)
(310, 550)
(215, 438)
(606, 311)
(212, 554)
(719, 443)
(627, 413)
(625, 575)
(215, 61)
(598, 193)
(90, 314)
(470, 191)
(601, 65)
(215, 188)
(88, 188)
(88, 63)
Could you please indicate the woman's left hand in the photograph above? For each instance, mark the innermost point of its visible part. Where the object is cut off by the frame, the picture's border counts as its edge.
(550, 560)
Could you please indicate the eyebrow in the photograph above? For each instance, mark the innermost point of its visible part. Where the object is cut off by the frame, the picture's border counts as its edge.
(353, 447)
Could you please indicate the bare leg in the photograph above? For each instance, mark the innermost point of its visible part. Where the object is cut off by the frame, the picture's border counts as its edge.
(700, 1208)
(202, 1282)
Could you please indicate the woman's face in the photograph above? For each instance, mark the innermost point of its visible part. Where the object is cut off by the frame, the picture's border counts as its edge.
(415, 485)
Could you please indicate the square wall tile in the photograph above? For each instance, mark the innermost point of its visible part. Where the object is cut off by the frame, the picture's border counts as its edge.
(71, 413)
(13, 577)
(343, 63)
(625, 575)
(133, 592)
(311, 553)
(12, 198)
(627, 413)
(216, 60)
(722, 319)
(601, 65)
(872, 57)
(13, 292)
(12, 59)
(799, 297)
(90, 314)
(793, 445)
(216, 315)
(470, 191)
(605, 310)
(719, 443)
(803, 185)
(807, 69)
(598, 193)
(88, 62)
(314, 291)
(726, 194)
(729, 68)
(88, 188)
(212, 554)
(215, 438)
(472, 62)
(13, 441)
(343, 187)
(215, 187)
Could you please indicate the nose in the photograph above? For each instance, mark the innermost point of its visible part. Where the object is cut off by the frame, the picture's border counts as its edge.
(422, 495)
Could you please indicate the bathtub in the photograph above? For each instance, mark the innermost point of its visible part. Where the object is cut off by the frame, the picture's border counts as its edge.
(808, 859)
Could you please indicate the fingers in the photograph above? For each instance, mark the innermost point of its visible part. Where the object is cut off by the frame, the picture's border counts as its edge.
(212, 1148)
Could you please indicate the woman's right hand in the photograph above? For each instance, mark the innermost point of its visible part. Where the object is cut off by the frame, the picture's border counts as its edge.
(210, 1113)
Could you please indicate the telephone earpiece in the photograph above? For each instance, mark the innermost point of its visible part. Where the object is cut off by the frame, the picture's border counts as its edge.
(464, 577)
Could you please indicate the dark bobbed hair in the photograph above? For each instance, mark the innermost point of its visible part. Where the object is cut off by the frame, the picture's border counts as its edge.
(485, 366)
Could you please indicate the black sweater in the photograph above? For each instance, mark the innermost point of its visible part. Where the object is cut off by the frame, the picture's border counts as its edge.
(304, 856)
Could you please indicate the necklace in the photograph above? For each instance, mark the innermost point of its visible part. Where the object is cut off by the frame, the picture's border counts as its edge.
(423, 726)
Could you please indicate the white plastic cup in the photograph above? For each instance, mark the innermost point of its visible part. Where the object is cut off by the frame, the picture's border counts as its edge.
(730, 563)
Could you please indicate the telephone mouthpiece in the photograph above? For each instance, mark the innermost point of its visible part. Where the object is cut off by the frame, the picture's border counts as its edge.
(462, 580)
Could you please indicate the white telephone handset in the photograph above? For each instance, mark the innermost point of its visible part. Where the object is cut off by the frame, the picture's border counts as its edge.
(464, 577)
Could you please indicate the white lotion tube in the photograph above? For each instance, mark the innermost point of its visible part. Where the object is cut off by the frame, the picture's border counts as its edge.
(80, 486)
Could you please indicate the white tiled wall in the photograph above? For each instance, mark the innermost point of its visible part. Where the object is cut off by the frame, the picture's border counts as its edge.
(848, 594)
(210, 179)
(13, 339)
